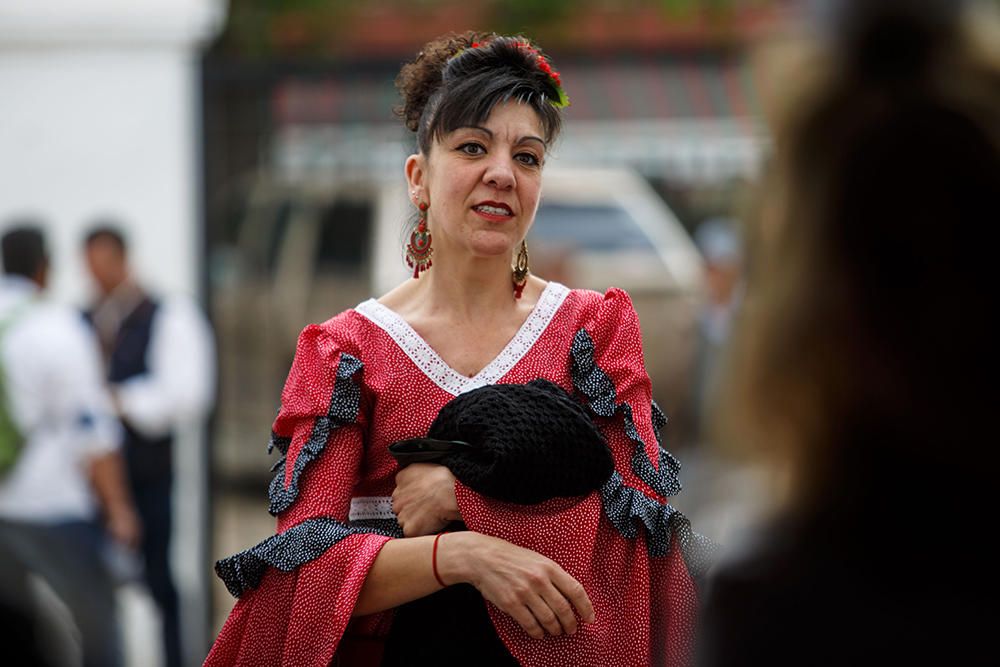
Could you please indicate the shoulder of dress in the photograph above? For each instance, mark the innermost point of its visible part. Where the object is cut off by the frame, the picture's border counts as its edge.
(581, 302)
(592, 308)
(617, 297)
(345, 332)
(594, 298)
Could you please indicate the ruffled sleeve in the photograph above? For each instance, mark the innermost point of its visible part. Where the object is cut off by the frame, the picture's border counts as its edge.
(297, 589)
(633, 552)
(609, 375)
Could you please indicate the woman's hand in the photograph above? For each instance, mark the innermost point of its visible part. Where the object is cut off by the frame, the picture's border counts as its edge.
(534, 590)
(424, 499)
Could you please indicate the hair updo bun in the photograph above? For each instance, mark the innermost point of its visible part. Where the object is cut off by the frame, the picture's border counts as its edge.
(452, 83)
(419, 78)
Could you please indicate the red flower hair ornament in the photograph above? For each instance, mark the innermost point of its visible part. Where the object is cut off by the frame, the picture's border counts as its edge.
(542, 63)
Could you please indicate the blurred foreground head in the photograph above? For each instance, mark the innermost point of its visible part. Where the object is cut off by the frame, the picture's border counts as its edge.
(870, 346)
(24, 253)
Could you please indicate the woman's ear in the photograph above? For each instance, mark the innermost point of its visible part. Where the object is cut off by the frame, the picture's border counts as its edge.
(416, 177)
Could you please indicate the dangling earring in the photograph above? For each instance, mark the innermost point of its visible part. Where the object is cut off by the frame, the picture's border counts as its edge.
(520, 268)
(419, 250)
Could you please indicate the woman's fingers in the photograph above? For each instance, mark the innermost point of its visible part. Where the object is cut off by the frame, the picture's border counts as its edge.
(553, 612)
(424, 499)
(415, 523)
(526, 619)
(561, 609)
(574, 592)
(534, 590)
(550, 609)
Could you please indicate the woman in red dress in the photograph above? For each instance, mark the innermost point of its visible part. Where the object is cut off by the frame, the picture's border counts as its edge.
(601, 579)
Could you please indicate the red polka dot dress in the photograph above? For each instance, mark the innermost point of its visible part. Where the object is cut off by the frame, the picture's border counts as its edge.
(363, 380)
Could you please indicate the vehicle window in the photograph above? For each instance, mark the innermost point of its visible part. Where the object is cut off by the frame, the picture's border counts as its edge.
(596, 228)
(345, 235)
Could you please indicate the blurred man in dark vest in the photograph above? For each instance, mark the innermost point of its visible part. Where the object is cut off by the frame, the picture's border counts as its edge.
(160, 368)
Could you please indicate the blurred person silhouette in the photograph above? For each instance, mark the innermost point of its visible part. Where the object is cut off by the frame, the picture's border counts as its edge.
(867, 370)
(720, 244)
(160, 366)
(39, 628)
(66, 468)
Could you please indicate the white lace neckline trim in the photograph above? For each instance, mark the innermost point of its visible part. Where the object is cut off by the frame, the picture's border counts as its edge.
(443, 375)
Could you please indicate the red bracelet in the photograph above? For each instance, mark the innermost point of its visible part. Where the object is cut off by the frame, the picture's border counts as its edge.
(434, 561)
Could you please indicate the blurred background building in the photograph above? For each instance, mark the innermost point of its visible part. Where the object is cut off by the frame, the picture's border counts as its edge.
(252, 147)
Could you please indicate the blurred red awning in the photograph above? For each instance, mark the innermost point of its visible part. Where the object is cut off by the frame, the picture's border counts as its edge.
(613, 89)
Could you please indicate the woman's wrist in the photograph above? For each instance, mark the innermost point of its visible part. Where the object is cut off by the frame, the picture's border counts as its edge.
(456, 514)
(455, 557)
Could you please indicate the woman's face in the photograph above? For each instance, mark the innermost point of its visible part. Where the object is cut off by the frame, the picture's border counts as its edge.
(482, 183)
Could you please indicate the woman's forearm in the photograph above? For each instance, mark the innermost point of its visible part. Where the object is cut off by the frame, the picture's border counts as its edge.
(402, 572)
(534, 590)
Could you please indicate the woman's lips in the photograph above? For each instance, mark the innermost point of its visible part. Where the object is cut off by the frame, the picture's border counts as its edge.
(493, 211)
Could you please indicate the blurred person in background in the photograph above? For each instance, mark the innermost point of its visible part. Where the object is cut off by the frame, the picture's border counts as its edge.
(597, 578)
(67, 470)
(160, 368)
(867, 370)
(720, 244)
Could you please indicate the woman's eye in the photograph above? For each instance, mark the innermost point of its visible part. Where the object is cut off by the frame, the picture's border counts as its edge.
(529, 159)
(472, 149)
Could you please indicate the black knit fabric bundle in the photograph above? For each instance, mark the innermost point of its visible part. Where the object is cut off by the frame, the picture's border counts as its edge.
(531, 442)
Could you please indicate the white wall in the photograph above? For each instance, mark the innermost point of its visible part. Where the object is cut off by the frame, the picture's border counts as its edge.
(99, 116)
(103, 131)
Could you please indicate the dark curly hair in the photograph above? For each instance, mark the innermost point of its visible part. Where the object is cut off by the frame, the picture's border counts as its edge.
(450, 84)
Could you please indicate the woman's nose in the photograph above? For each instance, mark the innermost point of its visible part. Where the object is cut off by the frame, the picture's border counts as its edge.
(499, 174)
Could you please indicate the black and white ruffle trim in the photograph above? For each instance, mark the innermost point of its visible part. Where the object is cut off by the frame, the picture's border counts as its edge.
(602, 399)
(627, 508)
(291, 549)
(344, 405)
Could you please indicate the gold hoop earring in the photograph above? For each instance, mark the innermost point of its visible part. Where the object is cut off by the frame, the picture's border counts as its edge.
(520, 270)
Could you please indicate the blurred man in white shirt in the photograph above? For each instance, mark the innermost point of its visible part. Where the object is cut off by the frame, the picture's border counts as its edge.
(67, 471)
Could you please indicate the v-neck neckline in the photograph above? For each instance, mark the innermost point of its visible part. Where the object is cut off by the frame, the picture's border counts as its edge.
(437, 369)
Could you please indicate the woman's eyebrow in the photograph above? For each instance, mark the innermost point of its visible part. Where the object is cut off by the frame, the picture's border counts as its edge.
(530, 137)
(479, 128)
(488, 132)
